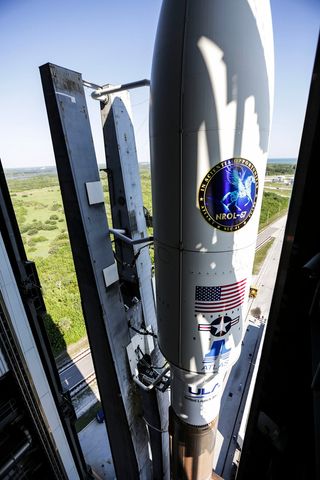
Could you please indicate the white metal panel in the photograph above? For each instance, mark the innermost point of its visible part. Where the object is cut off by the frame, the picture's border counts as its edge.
(35, 367)
(52, 416)
(196, 398)
(94, 192)
(64, 450)
(110, 274)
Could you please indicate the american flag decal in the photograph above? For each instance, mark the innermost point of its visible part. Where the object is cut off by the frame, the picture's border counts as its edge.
(219, 299)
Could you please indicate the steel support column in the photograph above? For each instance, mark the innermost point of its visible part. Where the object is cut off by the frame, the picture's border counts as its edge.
(134, 264)
(95, 266)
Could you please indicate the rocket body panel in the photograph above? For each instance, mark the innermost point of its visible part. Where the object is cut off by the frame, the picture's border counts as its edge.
(166, 104)
(203, 395)
(213, 292)
(211, 105)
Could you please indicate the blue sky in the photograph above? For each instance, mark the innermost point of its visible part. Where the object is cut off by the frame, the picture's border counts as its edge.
(112, 41)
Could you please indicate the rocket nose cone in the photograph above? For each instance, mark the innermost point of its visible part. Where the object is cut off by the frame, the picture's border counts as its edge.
(211, 89)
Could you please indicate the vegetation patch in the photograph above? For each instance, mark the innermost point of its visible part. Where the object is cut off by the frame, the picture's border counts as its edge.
(87, 417)
(20, 211)
(32, 241)
(260, 256)
(273, 207)
(281, 169)
(35, 182)
(64, 321)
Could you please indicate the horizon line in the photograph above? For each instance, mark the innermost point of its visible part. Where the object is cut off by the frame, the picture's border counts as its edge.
(102, 164)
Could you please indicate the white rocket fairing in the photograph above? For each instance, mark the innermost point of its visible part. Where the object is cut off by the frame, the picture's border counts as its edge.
(211, 104)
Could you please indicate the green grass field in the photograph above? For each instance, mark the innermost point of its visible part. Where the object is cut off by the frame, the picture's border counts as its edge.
(38, 206)
(261, 254)
(273, 207)
(41, 219)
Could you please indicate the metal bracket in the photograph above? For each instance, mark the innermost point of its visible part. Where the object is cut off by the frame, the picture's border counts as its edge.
(153, 379)
(119, 233)
(143, 373)
(102, 93)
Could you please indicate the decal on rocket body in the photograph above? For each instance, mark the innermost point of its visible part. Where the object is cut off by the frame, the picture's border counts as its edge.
(220, 326)
(228, 194)
(221, 298)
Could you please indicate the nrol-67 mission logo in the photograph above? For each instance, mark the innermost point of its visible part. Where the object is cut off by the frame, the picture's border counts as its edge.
(228, 194)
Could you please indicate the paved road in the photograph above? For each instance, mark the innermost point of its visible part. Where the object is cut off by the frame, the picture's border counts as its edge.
(269, 232)
(78, 370)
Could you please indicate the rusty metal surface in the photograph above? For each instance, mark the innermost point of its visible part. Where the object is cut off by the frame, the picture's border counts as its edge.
(192, 449)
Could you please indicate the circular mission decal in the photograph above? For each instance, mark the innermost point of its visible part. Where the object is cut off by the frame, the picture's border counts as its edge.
(228, 194)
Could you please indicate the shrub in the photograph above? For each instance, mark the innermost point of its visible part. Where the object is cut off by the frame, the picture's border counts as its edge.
(54, 249)
(65, 324)
(49, 227)
(56, 206)
(39, 239)
(20, 211)
(272, 206)
(62, 236)
(61, 297)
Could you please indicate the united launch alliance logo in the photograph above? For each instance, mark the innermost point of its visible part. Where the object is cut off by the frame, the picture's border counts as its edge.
(228, 194)
(219, 350)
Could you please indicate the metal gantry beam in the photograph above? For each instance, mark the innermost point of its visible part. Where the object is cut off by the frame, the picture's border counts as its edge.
(95, 266)
(134, 264)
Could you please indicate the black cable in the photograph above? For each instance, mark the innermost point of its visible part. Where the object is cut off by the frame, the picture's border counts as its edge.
(159, 368)
(132, 264)
(144, 332)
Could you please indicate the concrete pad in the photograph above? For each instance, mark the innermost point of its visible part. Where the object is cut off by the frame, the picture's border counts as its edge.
(96, 449)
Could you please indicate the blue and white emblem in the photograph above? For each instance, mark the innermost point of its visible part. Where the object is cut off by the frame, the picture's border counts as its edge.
(220, 326)
(217, 358)
(218, 350)
(228, 194)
